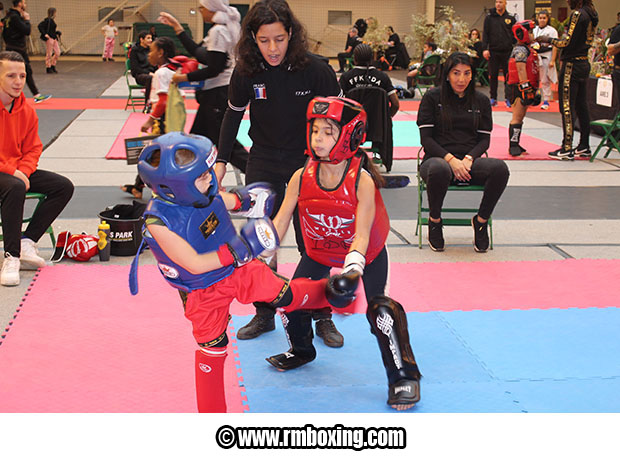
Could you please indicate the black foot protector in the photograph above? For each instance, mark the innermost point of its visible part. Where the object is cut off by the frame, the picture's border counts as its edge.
(289, 361)
(404, 394)
(340, 290)
(298, 327)
(388, 322)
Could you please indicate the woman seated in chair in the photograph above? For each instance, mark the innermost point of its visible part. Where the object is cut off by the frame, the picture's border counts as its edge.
(455, 124)
(420, 68)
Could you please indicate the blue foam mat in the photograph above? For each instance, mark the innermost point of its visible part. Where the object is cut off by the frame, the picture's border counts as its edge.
(560, 360)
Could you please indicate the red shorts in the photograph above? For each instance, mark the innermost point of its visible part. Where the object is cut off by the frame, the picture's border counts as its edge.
(208, 309)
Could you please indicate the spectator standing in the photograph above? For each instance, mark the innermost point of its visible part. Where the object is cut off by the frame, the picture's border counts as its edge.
(109, 31)
(217, 54)
(547, 54)
(573, 79)
(497, 42)
(139, 65)
(50, 35)
(613, 49)
(20, 150)
(16, 28)
(353, 40)
(276, 77)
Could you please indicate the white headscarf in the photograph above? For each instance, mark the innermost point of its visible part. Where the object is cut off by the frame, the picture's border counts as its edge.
(226, 15)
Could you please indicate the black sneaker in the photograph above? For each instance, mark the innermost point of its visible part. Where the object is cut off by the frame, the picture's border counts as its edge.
(583, 152)
(561, 154)
(291, 360)
(326, 330)
(481, 235)
(258, 325)
(435, 236)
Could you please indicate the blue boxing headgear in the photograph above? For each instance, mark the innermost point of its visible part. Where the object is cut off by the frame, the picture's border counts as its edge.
(171, 163)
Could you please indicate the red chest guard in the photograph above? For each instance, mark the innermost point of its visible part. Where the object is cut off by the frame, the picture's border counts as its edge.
(531, 66)
(328, 216)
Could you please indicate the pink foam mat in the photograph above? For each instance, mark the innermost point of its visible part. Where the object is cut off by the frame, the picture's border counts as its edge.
(493, 285)
(81, 343)
(131, 128)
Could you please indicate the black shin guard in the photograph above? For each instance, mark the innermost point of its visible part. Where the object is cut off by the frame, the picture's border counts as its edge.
(388, 322)
(514, 136)
(298, 327)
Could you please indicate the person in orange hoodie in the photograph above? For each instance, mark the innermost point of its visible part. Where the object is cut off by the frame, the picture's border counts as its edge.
(20, 150)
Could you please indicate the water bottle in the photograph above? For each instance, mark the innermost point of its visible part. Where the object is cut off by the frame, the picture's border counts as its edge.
(104, 241)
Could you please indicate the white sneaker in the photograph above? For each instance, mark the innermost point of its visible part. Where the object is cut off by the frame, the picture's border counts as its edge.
(10, 271)
(29, 256)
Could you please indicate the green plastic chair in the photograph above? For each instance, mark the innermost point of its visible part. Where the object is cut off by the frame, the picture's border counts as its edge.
(482, 73)
(611, 136)
(141, 97)
(423, 212)
(423, 83)
(39, 198)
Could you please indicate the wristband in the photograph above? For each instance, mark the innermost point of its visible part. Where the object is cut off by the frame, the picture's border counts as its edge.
(238, 203)
(225, 255)
(469, 157)
(450, 159)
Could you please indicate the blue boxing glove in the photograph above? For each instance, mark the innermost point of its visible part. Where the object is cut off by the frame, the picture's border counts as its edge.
(256, 237)
(255, 200)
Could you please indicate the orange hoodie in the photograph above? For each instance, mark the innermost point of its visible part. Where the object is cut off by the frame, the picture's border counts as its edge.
(20, 145)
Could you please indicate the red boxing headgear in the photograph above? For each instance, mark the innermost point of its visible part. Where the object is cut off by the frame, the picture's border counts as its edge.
(521, 30)
(351, 119)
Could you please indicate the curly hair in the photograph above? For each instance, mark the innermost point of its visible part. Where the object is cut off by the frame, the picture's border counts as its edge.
(249, 58)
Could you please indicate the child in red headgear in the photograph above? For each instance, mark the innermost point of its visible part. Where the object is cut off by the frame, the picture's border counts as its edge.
(345, 224)
(523, 82)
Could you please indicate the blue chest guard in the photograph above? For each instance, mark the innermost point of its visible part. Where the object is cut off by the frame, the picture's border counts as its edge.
(205, 229)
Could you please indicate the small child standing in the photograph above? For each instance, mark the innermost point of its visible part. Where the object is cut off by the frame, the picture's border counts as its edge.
(345, 224)
(109, 32)
(522, 81)
(547, 54)
(199, 252)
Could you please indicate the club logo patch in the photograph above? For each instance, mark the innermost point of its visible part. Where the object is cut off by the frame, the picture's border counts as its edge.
(209, 225)
(205, 368)
(169, 271)
(260, 92)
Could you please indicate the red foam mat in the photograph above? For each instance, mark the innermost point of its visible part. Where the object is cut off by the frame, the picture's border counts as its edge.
(56, 103)
(81, 343)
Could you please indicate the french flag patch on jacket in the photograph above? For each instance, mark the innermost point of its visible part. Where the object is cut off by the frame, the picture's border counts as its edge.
(260, 92)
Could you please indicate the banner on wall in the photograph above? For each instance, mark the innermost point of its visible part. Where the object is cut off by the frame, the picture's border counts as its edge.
(516, 8)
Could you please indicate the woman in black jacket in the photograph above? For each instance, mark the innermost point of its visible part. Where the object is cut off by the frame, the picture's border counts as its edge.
(455, 124)
(50, 35)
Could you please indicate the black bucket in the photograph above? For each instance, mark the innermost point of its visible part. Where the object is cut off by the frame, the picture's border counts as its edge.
(125, 233)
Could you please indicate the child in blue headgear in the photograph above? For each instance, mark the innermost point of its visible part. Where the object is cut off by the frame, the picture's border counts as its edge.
(190, 232)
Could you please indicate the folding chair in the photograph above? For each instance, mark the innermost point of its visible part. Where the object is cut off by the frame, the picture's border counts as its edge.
(133, 87)
(39, 198)
(449, 221)
(482, 73)
(425, 82)
(610, 126)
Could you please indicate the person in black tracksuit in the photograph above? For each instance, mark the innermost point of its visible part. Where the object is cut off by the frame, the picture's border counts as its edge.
(613, 49)
(573, 79)
(276, 77)
(139, 65)
(497, 42)
(16, 28)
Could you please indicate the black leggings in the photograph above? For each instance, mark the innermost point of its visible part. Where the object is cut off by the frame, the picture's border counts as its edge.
(491, 173)
(574, 102)
(12, 198)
